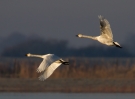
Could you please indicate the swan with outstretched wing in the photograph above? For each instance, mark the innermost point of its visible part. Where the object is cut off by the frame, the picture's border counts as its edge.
(48, 65)
(106, 36)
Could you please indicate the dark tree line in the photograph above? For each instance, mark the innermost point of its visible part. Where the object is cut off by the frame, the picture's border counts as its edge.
(60, 47)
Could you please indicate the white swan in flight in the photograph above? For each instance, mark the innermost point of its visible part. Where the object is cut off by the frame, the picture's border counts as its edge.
(106, 36)
(48, 65)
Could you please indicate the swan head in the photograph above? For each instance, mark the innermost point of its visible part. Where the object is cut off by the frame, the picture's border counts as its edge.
(28, 55)
(79, 35)
(65, 63)
(117, 44)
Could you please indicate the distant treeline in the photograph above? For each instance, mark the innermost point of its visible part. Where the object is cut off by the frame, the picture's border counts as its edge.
(60, 48)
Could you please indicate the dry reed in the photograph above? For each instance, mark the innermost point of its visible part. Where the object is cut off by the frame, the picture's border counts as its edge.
(78, 68)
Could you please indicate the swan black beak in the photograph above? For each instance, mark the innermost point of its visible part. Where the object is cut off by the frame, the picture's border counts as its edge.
(77, 36)
(65, 63)
(26, 55)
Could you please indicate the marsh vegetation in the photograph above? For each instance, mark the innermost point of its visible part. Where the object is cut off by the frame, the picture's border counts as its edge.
(82, 75)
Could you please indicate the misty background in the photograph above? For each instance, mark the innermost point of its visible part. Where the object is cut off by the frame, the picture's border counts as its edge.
(50, 26)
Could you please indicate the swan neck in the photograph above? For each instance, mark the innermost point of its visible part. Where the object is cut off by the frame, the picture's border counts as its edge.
(91, 37)
(34, 55)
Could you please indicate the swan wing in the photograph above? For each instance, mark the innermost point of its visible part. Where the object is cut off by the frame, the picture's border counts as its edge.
(43, 65)
(47, 61)
(48, 71)
(105, 27)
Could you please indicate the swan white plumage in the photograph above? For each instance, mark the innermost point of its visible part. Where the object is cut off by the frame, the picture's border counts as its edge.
(106, 36)
(48, 65)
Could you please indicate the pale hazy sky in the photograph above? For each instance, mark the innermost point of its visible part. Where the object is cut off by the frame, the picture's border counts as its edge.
(63, 19)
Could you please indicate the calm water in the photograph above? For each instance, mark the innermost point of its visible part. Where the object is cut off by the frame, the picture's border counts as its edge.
(66, 96)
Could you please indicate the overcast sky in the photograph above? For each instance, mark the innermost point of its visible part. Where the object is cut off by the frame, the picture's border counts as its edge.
(63, 19)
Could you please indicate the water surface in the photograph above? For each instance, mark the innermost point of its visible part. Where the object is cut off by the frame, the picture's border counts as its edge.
(67, 96)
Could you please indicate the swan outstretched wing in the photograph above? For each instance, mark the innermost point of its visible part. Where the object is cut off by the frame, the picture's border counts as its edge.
(48, 71)
(44, 64)
(105, 27)
(47, 61)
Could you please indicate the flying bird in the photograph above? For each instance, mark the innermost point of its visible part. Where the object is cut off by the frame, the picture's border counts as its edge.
(48, 65)
(106, 36)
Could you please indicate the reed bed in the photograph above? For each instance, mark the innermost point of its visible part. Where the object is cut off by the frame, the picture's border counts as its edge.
(78, 68)
(82, 75)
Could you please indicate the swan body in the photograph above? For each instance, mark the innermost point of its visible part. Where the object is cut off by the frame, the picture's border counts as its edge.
(48, 65)
(106, 36)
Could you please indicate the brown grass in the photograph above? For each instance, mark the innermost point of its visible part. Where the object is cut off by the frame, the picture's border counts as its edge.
(78, 68)
(82, 75)
(67, 85)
